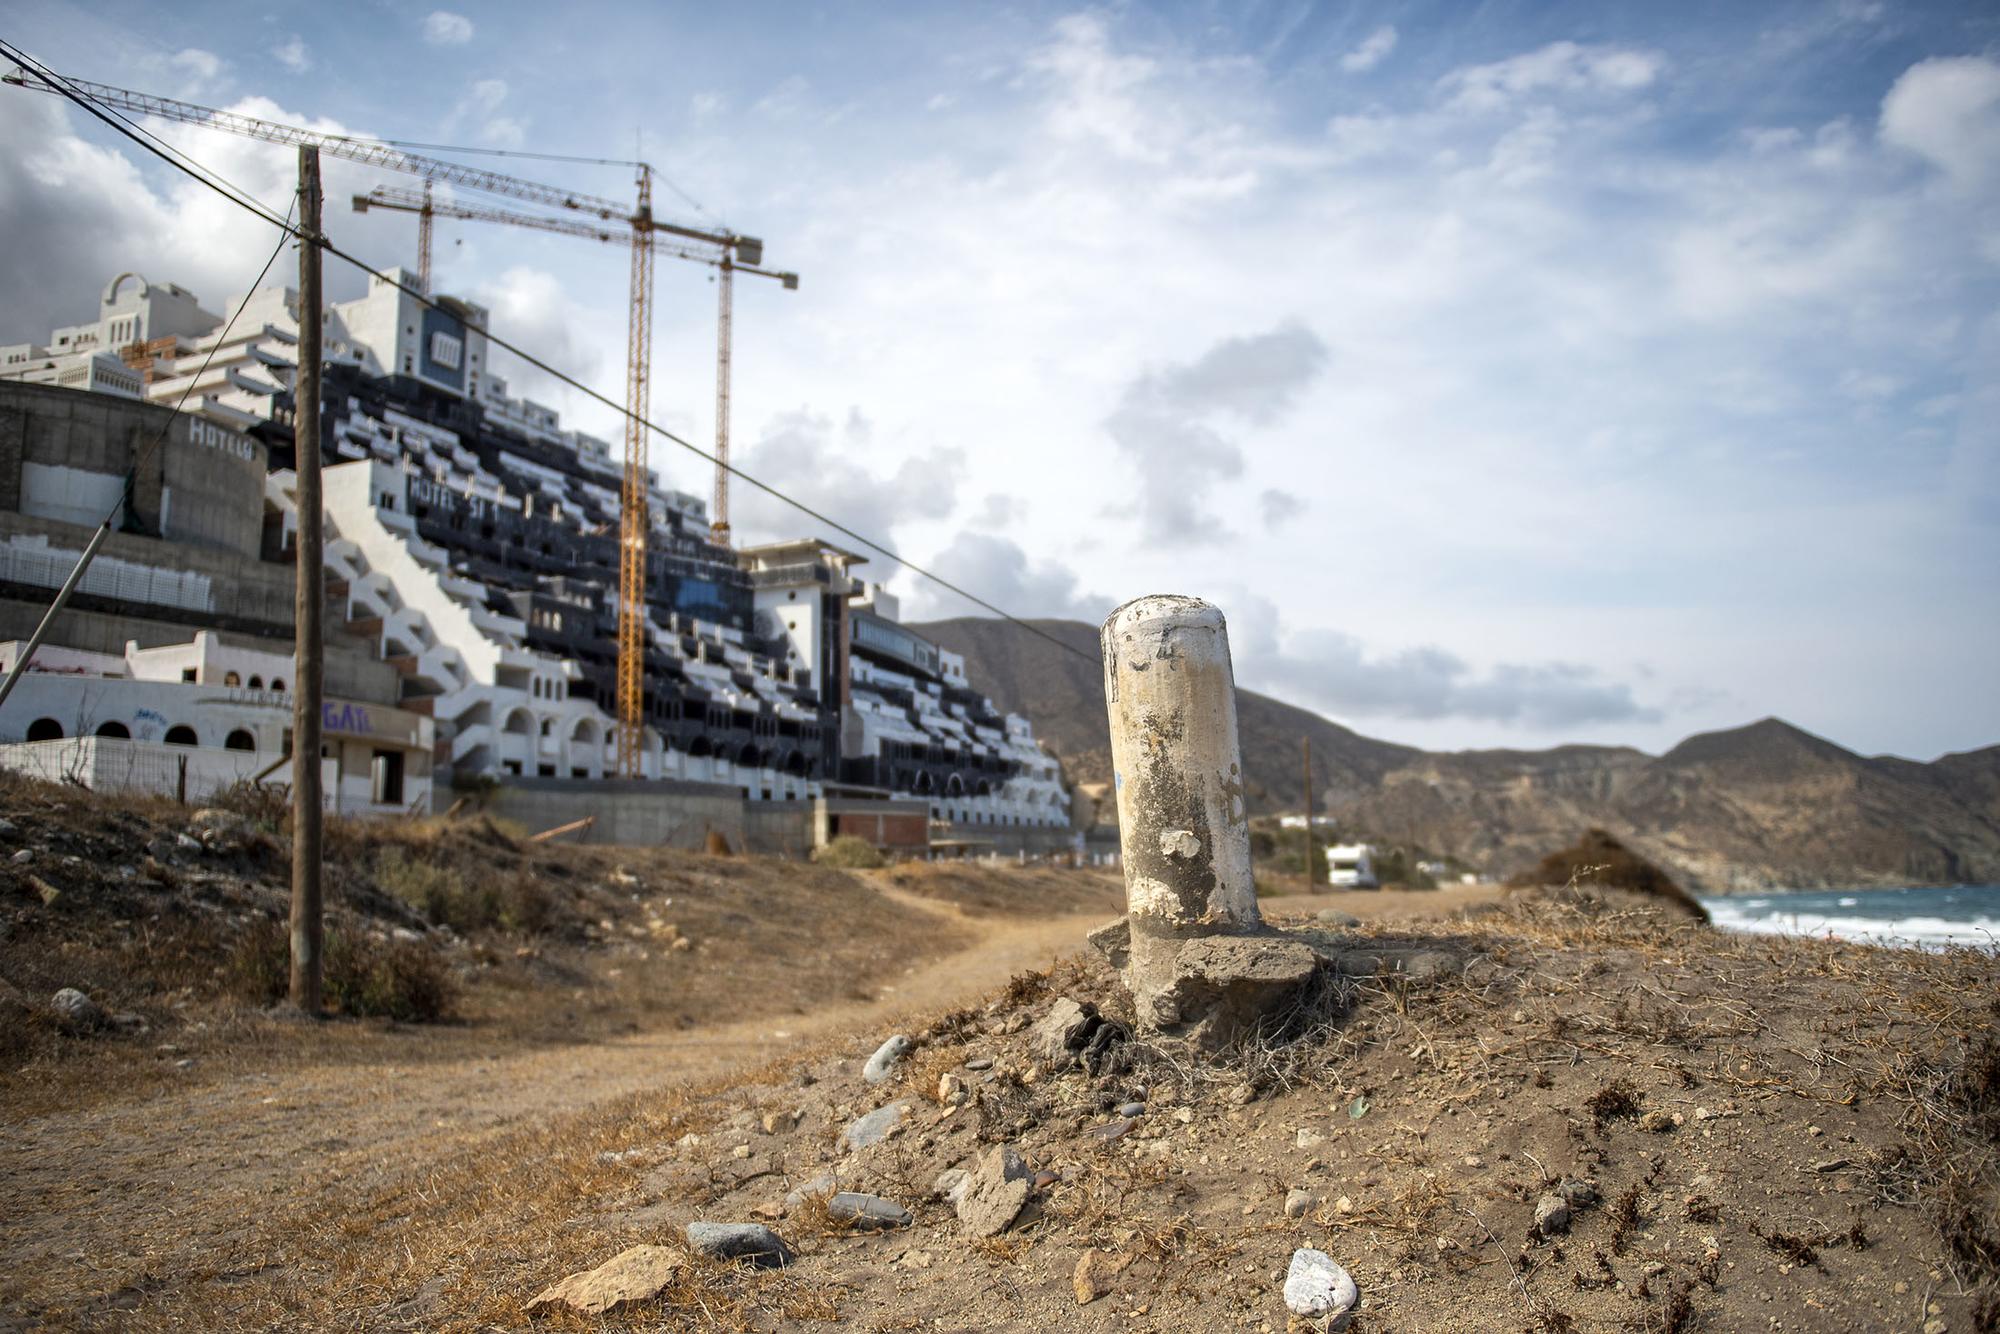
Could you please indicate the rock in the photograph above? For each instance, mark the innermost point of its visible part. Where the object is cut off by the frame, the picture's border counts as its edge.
(75, 1012)
(22, 857)
(1308, 1138)
(883, 1063)
(127, 1022)
(405, 935)
(1552, 1215)
(980, 1063)
(951, 1184)
(1659, 1121)
(823, 1185)
(739, 1241)
(1577, 1192)
(995, 1194)
(630, 1276)
(1132, 1109)
(875, 1127)
(7, 829)
(1062, 1033)
(1045, 1178)
(1096, 1274)
(868, 1213)
(1112, 1131)
(1343, 1205)
(781, 1123)
(1335, 917)
(951, 1090)
(1299, 1203)
(1317, 1288)
(187, 842)
(1114, 941)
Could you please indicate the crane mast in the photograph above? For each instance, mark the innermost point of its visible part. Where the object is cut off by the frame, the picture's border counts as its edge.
(635, 513)
(719, 522)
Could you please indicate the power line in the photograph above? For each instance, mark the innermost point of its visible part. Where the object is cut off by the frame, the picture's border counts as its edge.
(244, 200)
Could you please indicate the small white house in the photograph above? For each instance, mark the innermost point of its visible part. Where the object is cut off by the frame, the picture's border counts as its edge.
(1351, 866)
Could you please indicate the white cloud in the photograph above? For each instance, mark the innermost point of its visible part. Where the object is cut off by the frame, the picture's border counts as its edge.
(293, 55)
(444, 28)
(1947, 111)
(1559, 67)
(480, 112)
(1372, 51)
(998, 570)
(868, 489)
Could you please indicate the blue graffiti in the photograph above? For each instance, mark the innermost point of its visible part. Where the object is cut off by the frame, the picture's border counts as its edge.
(344, 718)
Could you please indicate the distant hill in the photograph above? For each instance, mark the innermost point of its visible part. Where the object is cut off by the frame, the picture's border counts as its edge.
(1755, 807)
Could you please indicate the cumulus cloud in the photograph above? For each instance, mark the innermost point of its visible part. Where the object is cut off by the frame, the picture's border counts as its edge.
(1166, 424)
(444, 28)
(1947, 111)
(1373, 51)
(1339, 675)
(998, 570)
(293, 55)
(480, 111)
(1559, 67)
(797, 452)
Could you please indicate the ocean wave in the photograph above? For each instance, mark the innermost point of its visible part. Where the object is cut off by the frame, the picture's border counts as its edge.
(1922, 931)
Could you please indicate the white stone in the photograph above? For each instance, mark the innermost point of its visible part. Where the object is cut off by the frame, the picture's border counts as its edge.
(883, 1063)
(1316, 1287)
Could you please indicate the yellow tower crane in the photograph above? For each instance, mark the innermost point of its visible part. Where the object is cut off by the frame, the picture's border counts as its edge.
(730, 249)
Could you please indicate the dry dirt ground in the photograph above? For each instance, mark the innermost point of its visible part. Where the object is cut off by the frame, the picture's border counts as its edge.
(1782, 1135)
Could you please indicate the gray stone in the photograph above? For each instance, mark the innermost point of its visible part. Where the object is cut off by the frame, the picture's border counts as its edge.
(7, 829)
(1061, 1033)
(1552, 1215)
(996, 1193)
(23, 856)
(1577, 1192)
(980, 1063)
(951, 1185)
(1132, 1109)
(868, 1213)
(875, 1126)
(1299, 1203)
(739, 1241)
(75, 1011)
(187, 842)
(1335, 917)
(1113, 1130)
(822, 1185)
(214, 820)
(1317, 1288)
(883, 1063)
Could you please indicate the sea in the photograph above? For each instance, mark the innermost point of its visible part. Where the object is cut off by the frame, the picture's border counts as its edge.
(1907, 918)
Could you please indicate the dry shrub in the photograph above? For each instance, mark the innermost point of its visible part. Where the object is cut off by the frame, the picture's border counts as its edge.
(849, 853)
(267, 807)
(444, 897)
(932, 1064)
(1598, 859)
(400, 980)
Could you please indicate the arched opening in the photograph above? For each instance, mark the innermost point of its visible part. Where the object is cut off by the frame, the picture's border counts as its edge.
(231, 679)
(278, 683)
(954, 786)
(747, 756)
(180, 734)
(45, 729)
(118, 730)
(985, 789)
(240, 739)
(256, 682)
(520, 722)
(924, 784)
(699, 747)
(795, 764)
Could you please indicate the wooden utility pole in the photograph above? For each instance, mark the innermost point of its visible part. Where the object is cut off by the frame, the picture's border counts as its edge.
(308, 929)
(1309, 810)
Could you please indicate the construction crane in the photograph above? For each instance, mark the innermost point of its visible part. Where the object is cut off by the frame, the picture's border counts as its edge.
(635, 521)
(726, 264)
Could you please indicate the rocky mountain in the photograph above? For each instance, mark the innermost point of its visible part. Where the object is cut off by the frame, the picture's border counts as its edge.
(1756, 807)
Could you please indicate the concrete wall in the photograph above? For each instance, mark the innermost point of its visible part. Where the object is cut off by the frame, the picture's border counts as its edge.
(1013, 840)
(652, 813)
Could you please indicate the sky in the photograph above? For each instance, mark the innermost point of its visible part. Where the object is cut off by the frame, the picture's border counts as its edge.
(1510, 374)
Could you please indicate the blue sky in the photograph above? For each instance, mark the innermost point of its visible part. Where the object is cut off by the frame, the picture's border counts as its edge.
(1509, 373)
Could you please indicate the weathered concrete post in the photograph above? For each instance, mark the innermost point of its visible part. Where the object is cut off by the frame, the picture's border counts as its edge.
(1201, 963)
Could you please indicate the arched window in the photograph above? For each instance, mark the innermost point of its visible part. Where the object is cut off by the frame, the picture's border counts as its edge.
(231, 679)
(278, 684)
(256, 683)
(118, 730)
(180, 734)
(240, 739)
(45, 729)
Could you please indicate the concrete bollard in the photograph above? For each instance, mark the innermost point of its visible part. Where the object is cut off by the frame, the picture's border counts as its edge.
(1200, 962)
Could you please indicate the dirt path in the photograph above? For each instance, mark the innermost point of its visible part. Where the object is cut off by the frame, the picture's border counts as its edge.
(184, 1175)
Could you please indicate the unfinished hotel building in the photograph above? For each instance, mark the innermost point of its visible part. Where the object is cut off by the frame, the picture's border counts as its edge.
(474, 541)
